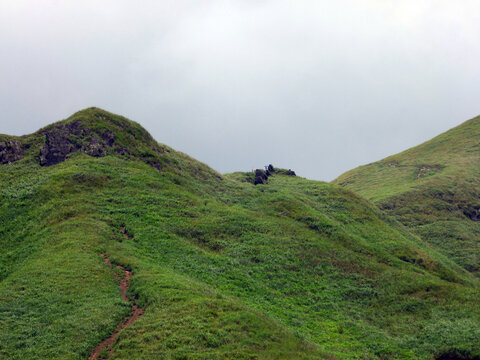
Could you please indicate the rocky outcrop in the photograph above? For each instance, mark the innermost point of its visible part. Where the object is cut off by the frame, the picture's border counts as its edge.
(472, 212)
(10, 151)
(260, 177)
(270, 170)
(65, 139)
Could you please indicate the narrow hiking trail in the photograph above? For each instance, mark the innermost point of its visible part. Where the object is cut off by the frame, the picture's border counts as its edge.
(124, 283)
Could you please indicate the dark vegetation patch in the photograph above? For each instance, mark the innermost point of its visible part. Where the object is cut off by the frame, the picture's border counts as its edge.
(420, 259)
(454, 355)
(89, 180)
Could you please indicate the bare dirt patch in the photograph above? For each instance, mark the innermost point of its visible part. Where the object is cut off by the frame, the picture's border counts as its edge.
(124, 282)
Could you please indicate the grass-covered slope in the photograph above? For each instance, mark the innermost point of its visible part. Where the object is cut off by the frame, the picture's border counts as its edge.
(434, 189)
(223, 269)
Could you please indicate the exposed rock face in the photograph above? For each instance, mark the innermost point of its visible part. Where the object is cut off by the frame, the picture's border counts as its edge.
(72, 137)
(10, 151)
(260, 177)
(95, 147)
(472, 212)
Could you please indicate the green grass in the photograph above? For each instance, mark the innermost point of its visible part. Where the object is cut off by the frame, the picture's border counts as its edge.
(432, 189)
(295, 269)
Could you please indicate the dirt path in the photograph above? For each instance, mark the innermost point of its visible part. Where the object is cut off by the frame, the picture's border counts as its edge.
(137, 311)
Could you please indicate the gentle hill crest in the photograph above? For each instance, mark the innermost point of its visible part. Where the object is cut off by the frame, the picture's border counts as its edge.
(445, 155)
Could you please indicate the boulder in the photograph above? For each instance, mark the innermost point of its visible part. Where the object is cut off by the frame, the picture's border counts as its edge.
(260, 177)
(10, 151)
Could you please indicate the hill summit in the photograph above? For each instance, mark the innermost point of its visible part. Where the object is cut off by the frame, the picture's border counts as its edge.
(92, 131)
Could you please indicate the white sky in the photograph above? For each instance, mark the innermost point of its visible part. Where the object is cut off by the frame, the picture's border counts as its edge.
(316, 86)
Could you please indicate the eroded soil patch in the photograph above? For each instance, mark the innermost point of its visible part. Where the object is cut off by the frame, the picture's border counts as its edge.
(124, 283)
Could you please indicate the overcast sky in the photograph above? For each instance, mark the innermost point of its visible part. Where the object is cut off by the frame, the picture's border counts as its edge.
(316, 86)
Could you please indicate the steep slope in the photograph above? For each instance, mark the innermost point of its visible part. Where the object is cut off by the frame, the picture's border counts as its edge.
(223, 269)
(432, 188)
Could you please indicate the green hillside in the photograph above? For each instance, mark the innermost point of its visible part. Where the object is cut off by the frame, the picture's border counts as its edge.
(434, 189)
(222, 269)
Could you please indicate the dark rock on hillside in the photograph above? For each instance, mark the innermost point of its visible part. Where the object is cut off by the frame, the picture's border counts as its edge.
(108, 138)
(270, 170)
(472, 212)
(66, 139)
(260, 177)
(157, 166)
(10, 151)
(122, 151)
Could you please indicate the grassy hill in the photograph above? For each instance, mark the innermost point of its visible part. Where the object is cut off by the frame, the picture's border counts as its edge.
(223, 269)
(433, 189)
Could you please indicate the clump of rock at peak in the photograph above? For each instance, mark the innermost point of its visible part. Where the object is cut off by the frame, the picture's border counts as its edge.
(98, 133)
(261, 176)
(65, 139)
(10, 151)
